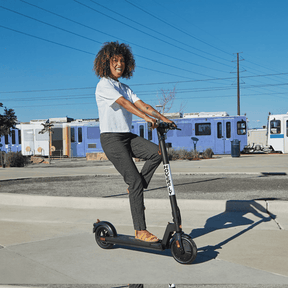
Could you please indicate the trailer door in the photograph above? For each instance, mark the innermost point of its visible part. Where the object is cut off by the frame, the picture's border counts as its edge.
(80, 142)
(286, 136)
(223, 137)
(57, 142)
(28, 142)
(77, 142)
(276, 134)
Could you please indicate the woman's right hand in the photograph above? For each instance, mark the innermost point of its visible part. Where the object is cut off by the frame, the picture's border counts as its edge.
(152, 121)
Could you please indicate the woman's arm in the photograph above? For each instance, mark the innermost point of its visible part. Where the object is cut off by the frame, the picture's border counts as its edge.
(148, 109)
(135, 110)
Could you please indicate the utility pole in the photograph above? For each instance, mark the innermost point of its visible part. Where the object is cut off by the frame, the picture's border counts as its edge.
(238, 87)
(238, 84)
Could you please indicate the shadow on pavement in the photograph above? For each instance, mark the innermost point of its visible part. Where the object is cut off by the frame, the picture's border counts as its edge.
(163, 187)
(233, 216)
(267, 174)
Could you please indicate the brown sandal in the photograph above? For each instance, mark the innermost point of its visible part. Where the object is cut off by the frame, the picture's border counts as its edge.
(146, 236)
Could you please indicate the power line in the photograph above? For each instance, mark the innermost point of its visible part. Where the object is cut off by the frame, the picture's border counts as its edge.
(89, 7)
(178, 98)
(57, 27)
(145, 84)
(50, 41)
(169, 24)
(279, 80)
(89, 27)
(58, 104)
(181, 16)
(66, 46)
(67, 31)
(141, 93)
(157, 31)
(148, 49)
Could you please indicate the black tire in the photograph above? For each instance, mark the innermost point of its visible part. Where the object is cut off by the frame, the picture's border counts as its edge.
(103, 231)
(190, 250)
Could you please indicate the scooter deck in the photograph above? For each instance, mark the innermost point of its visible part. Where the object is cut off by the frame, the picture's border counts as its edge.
(127, 240)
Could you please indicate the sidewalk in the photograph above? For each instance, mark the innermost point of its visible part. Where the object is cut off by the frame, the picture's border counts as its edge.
(49, 240)
(220, 164)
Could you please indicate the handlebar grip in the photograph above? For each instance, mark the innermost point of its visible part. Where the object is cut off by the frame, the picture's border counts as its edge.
(165, 125)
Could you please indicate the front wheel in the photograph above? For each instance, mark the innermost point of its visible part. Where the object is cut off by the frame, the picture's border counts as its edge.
(190, 250)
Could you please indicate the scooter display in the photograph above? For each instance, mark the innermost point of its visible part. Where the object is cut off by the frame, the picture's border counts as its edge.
(183, 248)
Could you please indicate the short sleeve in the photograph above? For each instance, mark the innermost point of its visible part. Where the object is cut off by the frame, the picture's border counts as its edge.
(107, 92)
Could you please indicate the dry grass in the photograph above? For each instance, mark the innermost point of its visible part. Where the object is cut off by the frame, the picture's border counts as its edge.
(184, 154)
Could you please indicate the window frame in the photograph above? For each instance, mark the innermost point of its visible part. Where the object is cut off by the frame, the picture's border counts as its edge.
(197, 133)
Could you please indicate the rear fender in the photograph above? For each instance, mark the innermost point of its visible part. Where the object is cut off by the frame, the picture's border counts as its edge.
(107, 225)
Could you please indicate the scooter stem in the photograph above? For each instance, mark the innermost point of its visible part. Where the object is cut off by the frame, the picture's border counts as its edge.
(161, 131)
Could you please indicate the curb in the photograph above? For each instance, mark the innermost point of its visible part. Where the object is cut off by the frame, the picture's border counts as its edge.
(158, 204)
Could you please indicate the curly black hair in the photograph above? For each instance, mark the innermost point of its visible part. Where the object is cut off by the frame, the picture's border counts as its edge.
(108, 50)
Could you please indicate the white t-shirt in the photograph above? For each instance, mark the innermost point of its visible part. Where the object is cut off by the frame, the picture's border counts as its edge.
(112, 116)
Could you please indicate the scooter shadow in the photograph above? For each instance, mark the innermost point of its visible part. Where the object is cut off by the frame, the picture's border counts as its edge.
(233, 216)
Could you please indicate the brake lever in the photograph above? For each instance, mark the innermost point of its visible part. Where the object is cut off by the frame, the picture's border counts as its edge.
(175, 126)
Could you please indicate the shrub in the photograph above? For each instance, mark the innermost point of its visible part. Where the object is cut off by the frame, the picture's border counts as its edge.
(15, 159)
(2, 157)
(172, 154)
(195, 154)
(183, 154)
(208, 153)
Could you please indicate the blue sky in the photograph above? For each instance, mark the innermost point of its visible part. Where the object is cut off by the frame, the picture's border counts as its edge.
(48, 49)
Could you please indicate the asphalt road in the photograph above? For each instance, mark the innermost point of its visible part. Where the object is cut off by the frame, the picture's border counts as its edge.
(208, 187)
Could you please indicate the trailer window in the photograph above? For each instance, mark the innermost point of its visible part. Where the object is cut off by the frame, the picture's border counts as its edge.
(28, 135)
(219, 129)
(13, 137)
(79, 134)
(228, 129)
(72, 135)
(275, 127)
(6, 140)
(241, 128)
(19, 136)
(149, 134)
(141, 130)
(41, 136)
(202, 129)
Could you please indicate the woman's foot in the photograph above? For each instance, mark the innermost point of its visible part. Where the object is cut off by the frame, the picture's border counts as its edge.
(145, 236)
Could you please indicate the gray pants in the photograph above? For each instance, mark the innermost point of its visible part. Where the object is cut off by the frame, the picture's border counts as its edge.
(119, 149)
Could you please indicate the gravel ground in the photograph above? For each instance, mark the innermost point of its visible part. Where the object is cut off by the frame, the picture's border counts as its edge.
(222, 187)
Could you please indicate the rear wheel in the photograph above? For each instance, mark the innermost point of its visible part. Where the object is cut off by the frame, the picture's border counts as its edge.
(190, 250)
(101, 233)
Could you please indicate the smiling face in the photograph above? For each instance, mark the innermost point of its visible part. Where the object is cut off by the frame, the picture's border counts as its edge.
(117, 66)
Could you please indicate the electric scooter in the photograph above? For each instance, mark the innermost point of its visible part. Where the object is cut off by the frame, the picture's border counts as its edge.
(183, 248)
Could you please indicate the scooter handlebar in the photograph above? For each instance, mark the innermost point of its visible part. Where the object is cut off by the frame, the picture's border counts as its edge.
(164, 125)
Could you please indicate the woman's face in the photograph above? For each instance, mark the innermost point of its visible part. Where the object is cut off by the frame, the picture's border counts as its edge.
(117, 66)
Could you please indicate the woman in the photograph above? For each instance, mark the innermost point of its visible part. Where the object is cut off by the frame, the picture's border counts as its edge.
(116, 104)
